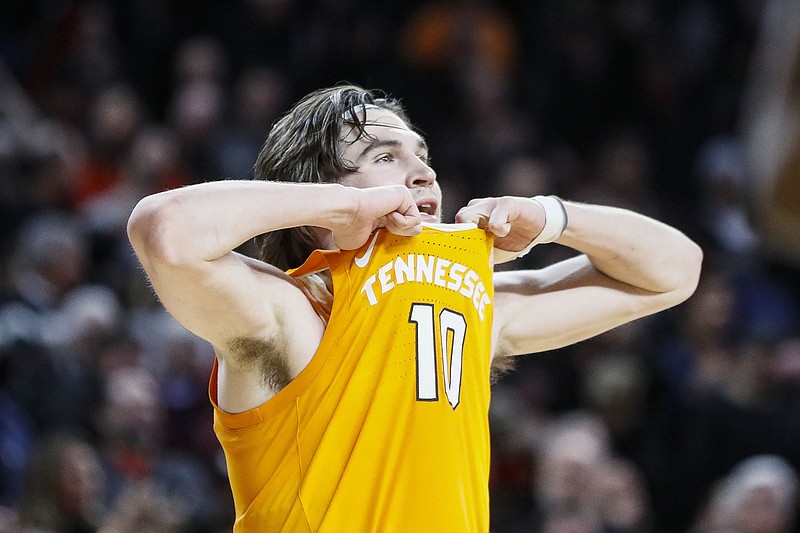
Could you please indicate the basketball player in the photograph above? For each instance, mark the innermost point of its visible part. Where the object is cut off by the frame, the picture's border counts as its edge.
(351, 384)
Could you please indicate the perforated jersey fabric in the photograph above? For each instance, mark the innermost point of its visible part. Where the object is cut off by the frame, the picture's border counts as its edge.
(386, 429)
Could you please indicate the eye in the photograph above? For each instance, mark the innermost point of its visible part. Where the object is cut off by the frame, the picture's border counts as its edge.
(425, 158)
(384, 158)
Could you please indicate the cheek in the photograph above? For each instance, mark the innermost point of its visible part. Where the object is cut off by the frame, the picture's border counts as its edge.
(437, 191)
(364, 180)
(355, 180)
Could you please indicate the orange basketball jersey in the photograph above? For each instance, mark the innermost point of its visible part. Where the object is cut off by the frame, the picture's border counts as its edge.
(386, 430)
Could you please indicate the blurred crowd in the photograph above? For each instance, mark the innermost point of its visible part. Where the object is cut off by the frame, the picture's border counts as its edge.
(685, 421)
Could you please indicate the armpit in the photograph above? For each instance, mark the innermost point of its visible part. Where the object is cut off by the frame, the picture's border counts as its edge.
(267, 356)
(501, 365)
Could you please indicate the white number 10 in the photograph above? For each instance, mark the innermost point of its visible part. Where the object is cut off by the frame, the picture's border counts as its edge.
(452, 330)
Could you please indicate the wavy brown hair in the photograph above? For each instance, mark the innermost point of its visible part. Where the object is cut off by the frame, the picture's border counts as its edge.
(304, 146)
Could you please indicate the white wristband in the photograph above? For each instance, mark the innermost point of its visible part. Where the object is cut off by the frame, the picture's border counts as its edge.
(555, 220)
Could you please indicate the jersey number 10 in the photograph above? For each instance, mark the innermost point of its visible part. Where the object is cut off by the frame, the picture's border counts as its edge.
(452, 330)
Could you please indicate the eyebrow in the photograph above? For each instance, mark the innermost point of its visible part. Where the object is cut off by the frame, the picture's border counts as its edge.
(382, 143)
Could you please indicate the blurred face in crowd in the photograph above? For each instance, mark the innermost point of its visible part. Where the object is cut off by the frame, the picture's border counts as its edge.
(81, 482)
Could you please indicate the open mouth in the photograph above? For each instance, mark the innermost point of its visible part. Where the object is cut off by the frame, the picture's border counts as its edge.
(428, 206)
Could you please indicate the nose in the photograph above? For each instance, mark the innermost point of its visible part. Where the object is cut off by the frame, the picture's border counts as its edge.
(422, 175)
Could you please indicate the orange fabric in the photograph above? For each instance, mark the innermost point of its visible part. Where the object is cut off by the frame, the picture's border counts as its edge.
(381, 431)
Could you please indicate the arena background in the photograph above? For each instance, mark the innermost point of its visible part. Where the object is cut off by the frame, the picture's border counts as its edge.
(687, 110)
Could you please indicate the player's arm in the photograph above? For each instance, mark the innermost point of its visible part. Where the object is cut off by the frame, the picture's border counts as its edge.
(185, 239)
(630, 266)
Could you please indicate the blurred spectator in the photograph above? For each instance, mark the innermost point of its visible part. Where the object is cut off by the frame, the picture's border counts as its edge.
(261, 95)
(152, 163)
(725, 205)
(17, 441)
(45, 324)
(615, 390)
(624, 496)
(51, 256)
(195, 114)
(65, 487)
(198, 102)
(758, 496)
(200, 59)
(697, 357)
(515, 426)
(580, 486)
(621, 175)
(65, 493)
(76, 57)
(754, 412)
(115, 118)
(34, 158)
(571, 456)
(525, 175)
(141, 469)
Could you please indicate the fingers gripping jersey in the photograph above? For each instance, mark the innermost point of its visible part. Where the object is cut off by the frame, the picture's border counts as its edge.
(386, 430)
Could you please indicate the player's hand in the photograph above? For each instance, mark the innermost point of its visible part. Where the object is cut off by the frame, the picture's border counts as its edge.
(514, 221)
(391, 207)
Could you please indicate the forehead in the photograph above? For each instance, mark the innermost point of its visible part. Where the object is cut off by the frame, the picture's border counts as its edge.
(380, 123)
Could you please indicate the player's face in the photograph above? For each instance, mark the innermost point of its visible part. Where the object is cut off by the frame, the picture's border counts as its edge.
(393, 154)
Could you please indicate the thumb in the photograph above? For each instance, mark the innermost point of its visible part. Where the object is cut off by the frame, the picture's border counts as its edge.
(407, 223)
(498, 221)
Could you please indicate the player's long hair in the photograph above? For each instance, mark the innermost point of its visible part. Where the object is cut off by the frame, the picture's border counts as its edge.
(305, 146)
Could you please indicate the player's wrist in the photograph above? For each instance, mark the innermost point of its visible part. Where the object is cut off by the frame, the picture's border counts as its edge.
(555, 221)
(333, 206)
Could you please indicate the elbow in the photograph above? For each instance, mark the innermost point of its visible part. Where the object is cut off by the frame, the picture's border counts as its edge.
(150, 227)
(691, 267)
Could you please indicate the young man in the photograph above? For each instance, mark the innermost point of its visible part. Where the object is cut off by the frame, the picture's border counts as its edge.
(352, 393)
